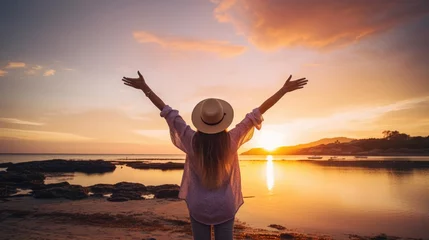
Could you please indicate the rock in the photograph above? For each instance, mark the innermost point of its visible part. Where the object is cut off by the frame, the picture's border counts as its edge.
(128, 186)
(167, 193)
(6, 191)
(5, 165)
(276, 226)
(73, 192)
(60, 165)
(286, 236)
(20, 177)
(122, 191)
(162, 166)
(380, 237)
(97, 195)
(102, 188)
(129, 195)
(52, 185)
(117, 199)
(154, 189)
(165, 190)
(24, 179)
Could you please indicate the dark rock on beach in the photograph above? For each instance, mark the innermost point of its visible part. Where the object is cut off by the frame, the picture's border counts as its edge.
(20, 177)
(128, 186)
(276, 226)
(124, 191)
(162, 166)
(5, 165)
(52, 185)
(73, 192)
(286, 236)
(102, 188)
(167, 193)
(96, 195)
(122, 195)
(6, 191)
(117, 199)
(60, 165)
(165, 190)
(154, 189)
(24, 179)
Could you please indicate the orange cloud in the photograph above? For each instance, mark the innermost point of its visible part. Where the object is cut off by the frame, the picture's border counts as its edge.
(222, 48)
(2, 73)
(40, 135)
(49, 72)
(18, 121)
(273, 24)
(15, 65)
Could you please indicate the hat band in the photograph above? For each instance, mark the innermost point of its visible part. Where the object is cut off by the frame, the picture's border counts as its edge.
(216, 123)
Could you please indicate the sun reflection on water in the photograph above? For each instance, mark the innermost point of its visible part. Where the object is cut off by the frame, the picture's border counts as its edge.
(270, 172)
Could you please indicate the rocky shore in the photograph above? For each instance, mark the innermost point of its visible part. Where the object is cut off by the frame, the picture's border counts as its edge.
(149, 165)
(31, 175)
(124, 210)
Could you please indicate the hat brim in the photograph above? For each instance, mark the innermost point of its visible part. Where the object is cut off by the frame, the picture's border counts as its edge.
(211, 129)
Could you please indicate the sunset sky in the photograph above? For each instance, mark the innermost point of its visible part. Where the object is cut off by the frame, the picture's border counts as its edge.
(61, 64)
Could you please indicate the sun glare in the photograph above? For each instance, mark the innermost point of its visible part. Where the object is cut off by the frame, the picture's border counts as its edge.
(271, 140)
(270, 172)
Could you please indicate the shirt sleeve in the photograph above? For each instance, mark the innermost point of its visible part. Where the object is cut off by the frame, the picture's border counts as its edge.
(181, 134)
(243, 131)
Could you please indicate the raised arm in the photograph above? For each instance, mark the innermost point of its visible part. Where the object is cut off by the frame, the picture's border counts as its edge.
(180, 133)
(289, 86)
(140, 83)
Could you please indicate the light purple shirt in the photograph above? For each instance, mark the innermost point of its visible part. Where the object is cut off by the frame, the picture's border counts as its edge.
(210, 207)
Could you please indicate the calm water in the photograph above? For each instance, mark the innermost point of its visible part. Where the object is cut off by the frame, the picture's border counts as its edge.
(301, 196)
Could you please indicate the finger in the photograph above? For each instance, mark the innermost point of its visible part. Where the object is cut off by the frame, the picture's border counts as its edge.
(129, 84)
(140, 75)
(300, 82)
(130, 78)
(290, 76)
(128, 81)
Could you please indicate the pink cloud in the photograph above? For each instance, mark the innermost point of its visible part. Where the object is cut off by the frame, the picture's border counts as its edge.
(222, 48)
(15, 65)
(49, 72)
(2, 73)
(273, 24)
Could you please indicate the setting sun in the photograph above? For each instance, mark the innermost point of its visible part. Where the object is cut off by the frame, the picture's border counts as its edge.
(271, 140)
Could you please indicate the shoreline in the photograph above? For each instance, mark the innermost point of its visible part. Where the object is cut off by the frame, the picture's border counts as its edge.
(128, 195)
(103, 166)
(28, 218)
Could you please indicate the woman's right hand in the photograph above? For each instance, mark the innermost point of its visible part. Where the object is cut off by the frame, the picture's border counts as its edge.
(293, 85)
(138, 83)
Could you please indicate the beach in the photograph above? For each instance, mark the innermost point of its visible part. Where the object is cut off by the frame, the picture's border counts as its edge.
(284, 199)
(96, 218)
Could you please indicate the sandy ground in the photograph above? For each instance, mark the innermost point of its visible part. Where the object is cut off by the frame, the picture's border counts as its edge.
(94, 218)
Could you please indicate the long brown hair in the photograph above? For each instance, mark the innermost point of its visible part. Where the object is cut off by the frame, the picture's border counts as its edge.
(212, 154)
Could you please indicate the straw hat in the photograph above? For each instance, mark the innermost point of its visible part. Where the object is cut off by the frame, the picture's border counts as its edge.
(212, 115)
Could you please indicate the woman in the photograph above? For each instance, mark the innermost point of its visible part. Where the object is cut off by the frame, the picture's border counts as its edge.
(211, 183)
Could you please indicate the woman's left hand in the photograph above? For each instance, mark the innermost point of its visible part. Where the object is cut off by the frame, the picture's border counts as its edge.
(138, 83)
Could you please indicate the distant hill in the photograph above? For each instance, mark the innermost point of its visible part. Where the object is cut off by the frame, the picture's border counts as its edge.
(393, 143)
(285, 150)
